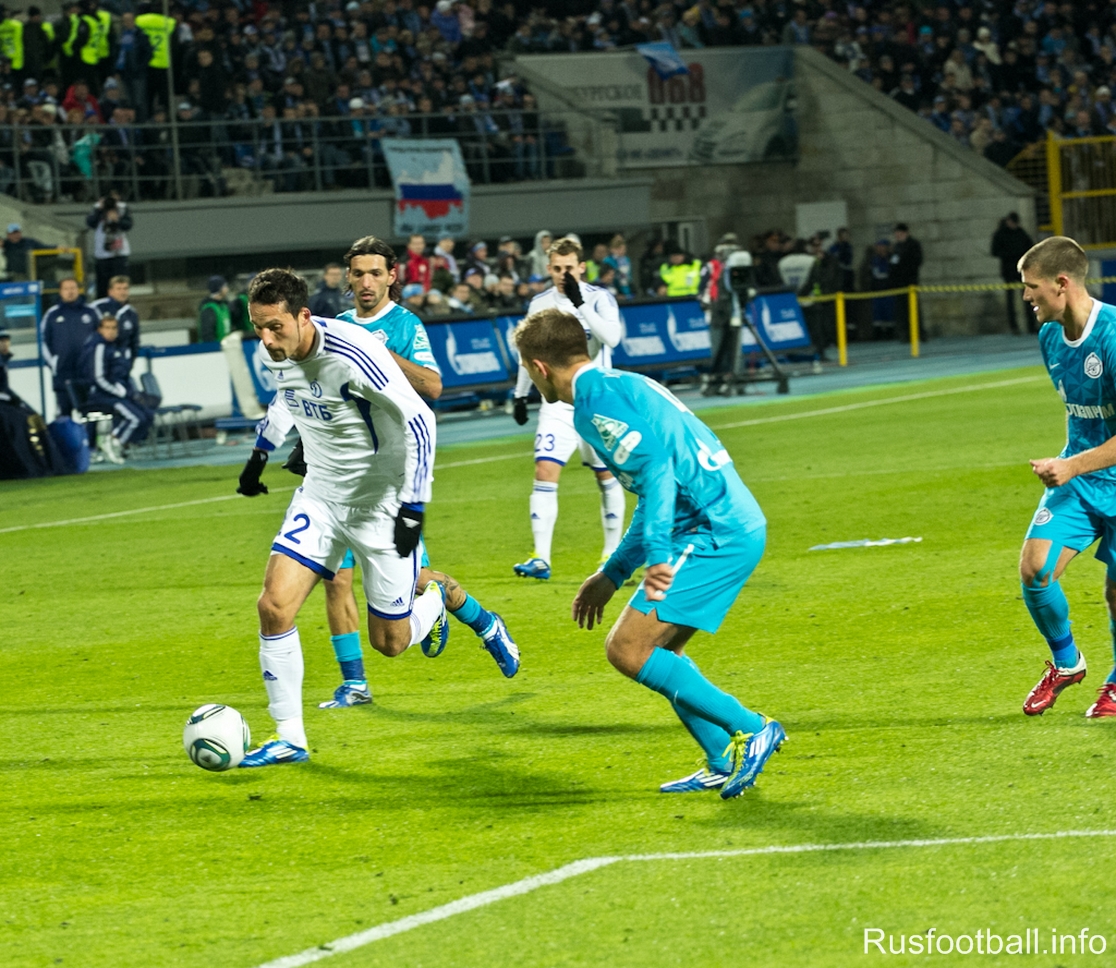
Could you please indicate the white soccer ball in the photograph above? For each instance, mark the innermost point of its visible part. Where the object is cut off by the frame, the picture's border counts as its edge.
(216, 737)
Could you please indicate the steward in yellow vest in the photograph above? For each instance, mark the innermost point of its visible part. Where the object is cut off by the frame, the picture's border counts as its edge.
(94, 53)
(72, 35)
(11, 42)
(681, 276)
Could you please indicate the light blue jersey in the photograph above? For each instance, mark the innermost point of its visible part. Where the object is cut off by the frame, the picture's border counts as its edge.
(694, 511)
(1084, 373)
(401, 331)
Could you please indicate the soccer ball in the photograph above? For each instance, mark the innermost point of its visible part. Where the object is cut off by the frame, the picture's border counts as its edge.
(216, 737)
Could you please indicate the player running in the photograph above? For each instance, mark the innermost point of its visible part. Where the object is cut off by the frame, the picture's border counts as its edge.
(696, 526)
(369, 443)
(372, 276)
(1078, 346)
(555, 437)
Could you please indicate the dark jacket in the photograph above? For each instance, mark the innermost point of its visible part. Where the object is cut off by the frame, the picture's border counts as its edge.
(104, 369)
(1009, 246)
(65, 328)
(17, 255)
(327, 302)
(128, 323)
(906, 260)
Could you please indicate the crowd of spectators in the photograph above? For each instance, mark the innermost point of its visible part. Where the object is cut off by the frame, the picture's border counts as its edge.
(303, 92)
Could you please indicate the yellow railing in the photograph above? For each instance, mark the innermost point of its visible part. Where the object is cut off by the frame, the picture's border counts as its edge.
(1081, 188)
(840, 301)
(1030, 167)
(79, 269)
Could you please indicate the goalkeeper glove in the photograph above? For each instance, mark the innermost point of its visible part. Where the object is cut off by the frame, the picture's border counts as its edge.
(572, 289)
(408, 529)
(296, 463)
(250, 483)
(519, 410)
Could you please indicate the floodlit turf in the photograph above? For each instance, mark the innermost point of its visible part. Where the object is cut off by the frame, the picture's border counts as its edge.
(898, 672)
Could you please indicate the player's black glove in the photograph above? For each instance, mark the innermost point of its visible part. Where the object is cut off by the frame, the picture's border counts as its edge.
(250, 483)
(519, 410)
(572, 289)
(296, 463)
(408, 529)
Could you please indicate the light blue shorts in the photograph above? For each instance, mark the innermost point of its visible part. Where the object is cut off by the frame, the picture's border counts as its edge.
(707, 579)
(1077, 514)
(349, 561)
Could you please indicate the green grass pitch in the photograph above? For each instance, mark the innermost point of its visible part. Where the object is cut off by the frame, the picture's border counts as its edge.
(898, 672)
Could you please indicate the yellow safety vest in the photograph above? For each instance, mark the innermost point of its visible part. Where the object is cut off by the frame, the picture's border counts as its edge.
(68, 43)
(682, 280)
(96, 49)
(11, 42)
(159, 30)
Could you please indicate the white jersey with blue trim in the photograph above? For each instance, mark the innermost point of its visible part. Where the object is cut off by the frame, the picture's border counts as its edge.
(368, 437)
(599, 314)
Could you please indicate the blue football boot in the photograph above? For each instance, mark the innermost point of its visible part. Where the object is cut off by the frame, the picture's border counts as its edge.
(438, 636)
(750, 751)
(498, 643)
(352, 692)
(273, 752)
(533, 568)
(704, 779)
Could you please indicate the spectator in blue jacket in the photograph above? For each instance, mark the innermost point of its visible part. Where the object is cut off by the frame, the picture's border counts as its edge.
(116, 304)
(17, 251)
(105, 369)
(65, 328)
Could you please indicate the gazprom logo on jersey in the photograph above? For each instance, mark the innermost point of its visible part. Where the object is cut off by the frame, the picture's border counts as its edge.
(1091, 413)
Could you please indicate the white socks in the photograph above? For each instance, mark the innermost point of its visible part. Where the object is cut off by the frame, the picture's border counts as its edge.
(544, 514)
(612, 513)
(424, 613)
(281, 664)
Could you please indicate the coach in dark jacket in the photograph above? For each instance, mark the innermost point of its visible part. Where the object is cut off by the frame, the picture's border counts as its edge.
(65, 329)
(906, 261)
(1010, 243)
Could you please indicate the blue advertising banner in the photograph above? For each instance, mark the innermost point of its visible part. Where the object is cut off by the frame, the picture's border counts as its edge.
(779, 319)
(262, 378)
(468, 353)
(431, 186)
(662, 333)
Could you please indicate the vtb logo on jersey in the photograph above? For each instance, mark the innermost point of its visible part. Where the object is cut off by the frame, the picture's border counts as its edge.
(1093, 366)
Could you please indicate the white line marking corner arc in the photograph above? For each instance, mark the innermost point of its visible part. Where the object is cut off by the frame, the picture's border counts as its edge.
(528, 884)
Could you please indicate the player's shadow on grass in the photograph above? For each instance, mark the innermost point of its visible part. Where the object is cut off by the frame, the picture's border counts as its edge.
(805, 824)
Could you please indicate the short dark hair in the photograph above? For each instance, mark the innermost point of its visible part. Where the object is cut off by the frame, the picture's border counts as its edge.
(550, 335)
(333, 265)
(566, 246)
(1056, 256)
(117, 280)
(371, 245)
(274, 286)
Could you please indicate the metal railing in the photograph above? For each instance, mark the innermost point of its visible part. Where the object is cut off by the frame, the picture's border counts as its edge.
(224, 156)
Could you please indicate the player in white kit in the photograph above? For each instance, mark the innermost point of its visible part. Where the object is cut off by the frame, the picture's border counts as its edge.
(369, 444)
(555, 437)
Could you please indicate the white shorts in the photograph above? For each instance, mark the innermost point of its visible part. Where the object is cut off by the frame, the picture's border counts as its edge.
(556, 439)
(317, 535)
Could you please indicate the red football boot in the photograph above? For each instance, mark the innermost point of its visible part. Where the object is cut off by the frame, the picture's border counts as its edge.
(1053, 681)
(1105, 704)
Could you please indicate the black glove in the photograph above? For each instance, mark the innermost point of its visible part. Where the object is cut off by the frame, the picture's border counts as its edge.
(296, 463)
(250, 483)
(519, 410)
(408, 529)
(572, 289)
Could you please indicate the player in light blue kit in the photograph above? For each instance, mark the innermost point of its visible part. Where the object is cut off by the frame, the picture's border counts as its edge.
(372, 276)
(1078, 343)
(696, 526)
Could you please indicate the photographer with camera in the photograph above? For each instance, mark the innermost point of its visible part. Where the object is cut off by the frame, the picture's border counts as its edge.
(111, 223)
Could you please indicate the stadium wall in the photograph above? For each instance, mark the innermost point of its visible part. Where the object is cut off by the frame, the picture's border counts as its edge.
(302, 221)
(888, 165)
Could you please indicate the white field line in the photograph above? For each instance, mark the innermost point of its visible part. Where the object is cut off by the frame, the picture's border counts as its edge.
(865, 404)
(528, 884)
(929, 394)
